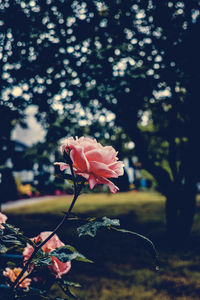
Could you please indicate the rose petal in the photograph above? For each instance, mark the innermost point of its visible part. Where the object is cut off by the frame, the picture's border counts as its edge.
(95, 155)
(63, 166)
(52, 244)
(113, 188)
(79, 159)
(28, 250)
(117, 167)
(101, 169)
(92, 181)
(59, 267)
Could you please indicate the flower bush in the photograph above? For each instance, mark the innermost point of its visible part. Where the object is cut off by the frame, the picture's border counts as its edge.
(45, 259)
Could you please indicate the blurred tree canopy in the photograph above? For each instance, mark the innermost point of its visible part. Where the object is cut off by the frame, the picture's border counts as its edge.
(122, 70)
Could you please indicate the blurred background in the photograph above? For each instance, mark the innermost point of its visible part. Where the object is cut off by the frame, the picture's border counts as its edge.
(123, 72)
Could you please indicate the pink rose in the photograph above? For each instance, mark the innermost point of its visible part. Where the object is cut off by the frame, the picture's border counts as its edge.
(93, 161)
(3, 219)
(56, 266)
(12, 274)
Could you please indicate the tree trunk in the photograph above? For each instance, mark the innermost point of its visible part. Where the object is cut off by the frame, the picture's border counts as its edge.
(180, 210)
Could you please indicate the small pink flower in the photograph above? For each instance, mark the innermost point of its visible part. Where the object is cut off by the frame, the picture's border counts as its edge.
(93, 161)
(3, 219)
(12, 274)
(56, 266)
(52, 244)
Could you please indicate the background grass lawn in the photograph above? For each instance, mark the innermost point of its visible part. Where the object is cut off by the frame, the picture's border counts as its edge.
(122, 269)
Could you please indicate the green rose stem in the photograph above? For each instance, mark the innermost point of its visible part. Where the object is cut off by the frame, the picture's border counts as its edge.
(77, 190)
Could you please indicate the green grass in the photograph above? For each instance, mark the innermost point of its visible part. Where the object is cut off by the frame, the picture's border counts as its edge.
(120, 203)
(123, 269)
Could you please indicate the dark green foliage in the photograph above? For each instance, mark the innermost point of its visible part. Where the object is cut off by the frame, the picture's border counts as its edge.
(67, 253)
(14, 235)
(64, 254)
(92, 227)
(42, 259)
